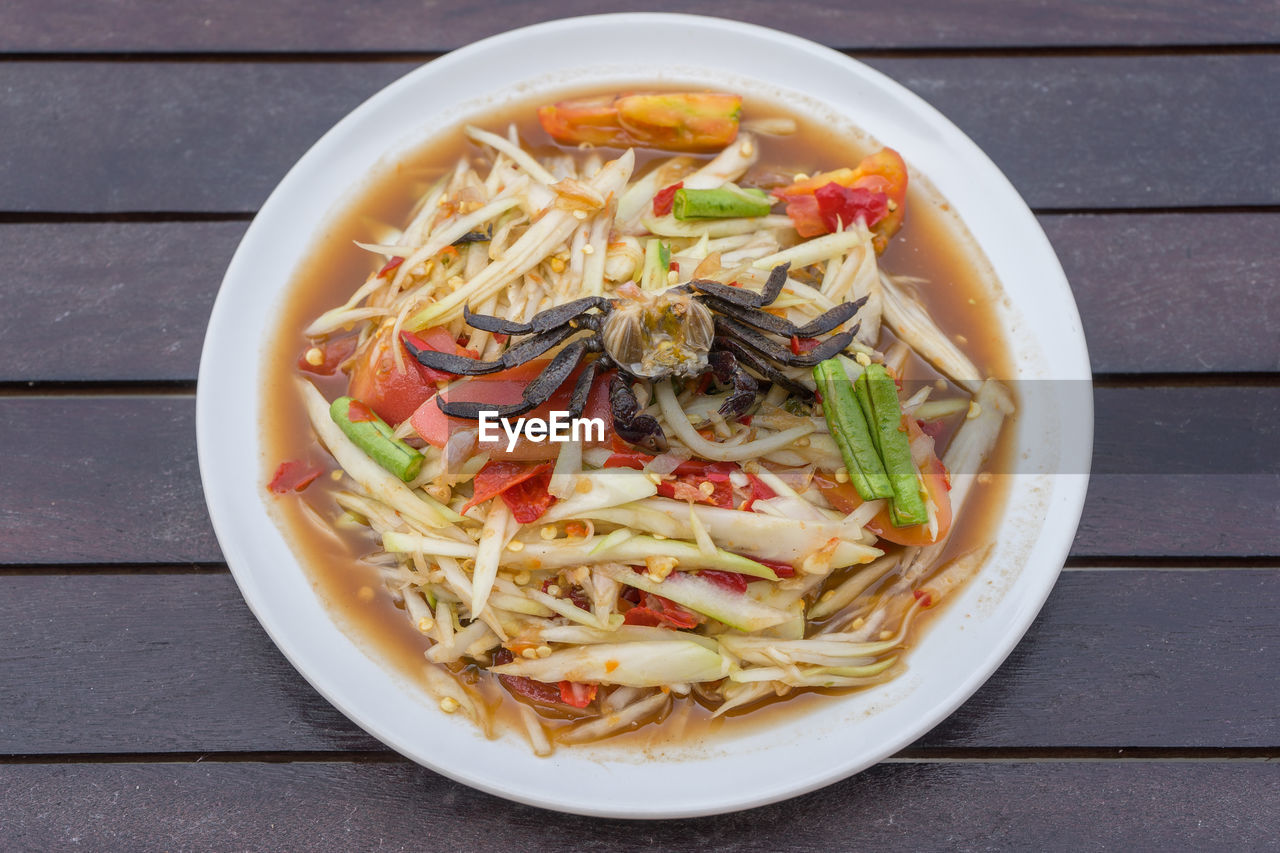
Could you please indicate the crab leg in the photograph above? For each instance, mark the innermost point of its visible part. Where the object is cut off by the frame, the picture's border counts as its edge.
(630, 425)
(582, 388)
(766, 322)
(742, 297)
(542, 322)
(535, 394)
(774, 351)
(833, 319)
(520, 353)
(745, 388)
(762, 367)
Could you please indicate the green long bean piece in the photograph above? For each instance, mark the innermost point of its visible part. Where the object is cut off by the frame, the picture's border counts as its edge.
(877, 388)
(376, 439)
(849, 427)
(727, 202)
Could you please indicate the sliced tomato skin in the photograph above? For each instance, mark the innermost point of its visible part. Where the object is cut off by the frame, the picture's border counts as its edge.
(332, 353)
(395, 393)
(506, 387)
(880, 180)
(391, 392)
(937, 483)
(665, 198)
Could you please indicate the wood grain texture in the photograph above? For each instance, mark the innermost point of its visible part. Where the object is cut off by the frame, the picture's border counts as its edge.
(102, 480)
(1071, 132)
(1129, 805)
(1157, 292)
(109, 301)
(114, 479)
(1179, 293)
(432, 25)
(195, 673)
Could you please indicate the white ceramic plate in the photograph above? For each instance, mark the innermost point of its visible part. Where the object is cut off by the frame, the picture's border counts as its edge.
(966, 641)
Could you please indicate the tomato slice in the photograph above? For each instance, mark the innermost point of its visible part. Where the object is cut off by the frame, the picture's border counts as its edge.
(506, 387)
(844, 497)
(886, 172)
(876, 189)
(332, 353)
(935, 482)
(393, 393)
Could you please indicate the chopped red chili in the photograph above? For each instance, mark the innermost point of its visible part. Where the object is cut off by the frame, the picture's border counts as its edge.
(390, 266)
(293, 476)
(664, 198)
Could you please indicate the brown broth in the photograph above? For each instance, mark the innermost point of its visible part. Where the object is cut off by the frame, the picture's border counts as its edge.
(931, 245)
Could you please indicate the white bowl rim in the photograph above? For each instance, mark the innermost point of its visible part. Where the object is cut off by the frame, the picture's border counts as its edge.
(229, 516)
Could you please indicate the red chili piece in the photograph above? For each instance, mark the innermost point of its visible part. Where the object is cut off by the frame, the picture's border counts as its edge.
(293, 476)
(665, 198)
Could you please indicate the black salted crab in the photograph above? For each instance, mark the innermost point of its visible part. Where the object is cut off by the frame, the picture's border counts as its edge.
(682, 332)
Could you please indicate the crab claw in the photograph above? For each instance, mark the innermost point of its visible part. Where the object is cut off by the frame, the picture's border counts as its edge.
(745, 388)
(630, 425)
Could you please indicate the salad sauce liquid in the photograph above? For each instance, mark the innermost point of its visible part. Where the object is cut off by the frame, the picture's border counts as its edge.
(931, 245)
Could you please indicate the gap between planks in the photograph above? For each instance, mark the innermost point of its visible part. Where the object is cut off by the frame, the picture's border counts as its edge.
(374, 56)
(917, 755)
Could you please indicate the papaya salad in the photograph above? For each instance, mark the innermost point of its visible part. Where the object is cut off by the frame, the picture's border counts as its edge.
(778, 437)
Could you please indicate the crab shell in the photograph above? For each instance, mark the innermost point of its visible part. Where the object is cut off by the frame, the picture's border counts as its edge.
(656, 335)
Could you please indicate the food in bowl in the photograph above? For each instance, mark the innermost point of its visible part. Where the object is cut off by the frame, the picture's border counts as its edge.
(625, 420)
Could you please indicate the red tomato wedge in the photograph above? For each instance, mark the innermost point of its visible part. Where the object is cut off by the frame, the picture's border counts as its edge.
(332, 354)
(394, 394)
(876, 190)
(844, 497)
(503, 388)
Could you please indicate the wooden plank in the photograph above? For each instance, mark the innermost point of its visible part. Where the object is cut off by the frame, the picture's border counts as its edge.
(1108, 647)
(1178, 472)
(102, 480)
(1157, 292)
(1071, 132)
(330, 25)
(1180, 293)
(1123, 805)
(109, 301)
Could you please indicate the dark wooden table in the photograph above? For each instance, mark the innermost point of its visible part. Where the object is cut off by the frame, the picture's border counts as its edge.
(142, 707)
